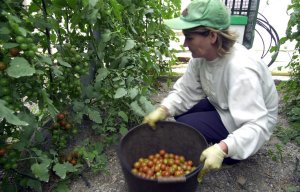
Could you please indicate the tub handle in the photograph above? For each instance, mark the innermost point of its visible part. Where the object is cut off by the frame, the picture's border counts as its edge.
(171, 179)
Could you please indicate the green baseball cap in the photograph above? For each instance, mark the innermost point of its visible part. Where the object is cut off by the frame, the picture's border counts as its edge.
(208, 13)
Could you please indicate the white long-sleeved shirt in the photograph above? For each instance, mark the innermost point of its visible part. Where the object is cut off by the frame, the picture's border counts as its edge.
(241, 89)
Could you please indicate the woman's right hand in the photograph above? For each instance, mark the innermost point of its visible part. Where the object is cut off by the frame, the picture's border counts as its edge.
(158, 114)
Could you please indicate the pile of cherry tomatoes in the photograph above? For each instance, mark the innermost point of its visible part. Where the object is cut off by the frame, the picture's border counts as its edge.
(162, 164)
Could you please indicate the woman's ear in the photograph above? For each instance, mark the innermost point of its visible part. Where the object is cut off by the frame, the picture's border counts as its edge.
(213, 37)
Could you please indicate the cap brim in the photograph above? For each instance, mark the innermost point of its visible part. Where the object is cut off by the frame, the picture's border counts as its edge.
(179, 24)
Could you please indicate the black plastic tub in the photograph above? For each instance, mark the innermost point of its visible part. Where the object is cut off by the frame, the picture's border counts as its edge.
(174, 137)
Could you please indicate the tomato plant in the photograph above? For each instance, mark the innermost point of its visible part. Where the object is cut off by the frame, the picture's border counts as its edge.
(66, 62)
(290, 88)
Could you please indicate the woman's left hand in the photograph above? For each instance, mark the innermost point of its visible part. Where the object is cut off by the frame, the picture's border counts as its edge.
(212, 158)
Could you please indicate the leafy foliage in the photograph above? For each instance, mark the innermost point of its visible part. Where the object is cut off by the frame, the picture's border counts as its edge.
(63, 63)
(291, 88)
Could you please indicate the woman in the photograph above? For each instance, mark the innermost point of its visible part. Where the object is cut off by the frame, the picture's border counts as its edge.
(226, 93)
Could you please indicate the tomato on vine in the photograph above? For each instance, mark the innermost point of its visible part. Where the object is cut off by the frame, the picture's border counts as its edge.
(3, 66)
(20, 39)
(60, 116)
(24, 46)
(4, 81)
(73, 162)
(2, 151)
(30, 53)
(68, 126)
(14, 51)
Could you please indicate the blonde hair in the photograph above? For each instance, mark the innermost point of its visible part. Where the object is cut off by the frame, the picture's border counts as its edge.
(225, 38)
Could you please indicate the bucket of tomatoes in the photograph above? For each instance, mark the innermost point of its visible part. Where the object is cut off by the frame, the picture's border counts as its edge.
(162, 160)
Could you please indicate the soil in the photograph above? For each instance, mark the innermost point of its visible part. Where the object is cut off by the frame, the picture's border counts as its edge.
(258, 173)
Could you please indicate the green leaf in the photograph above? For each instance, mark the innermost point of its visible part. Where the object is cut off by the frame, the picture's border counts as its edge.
(4, 31)
(121, 92)
(59, 3)
(62, 169)
(129, 45)
(123, 115)
(72, 3)
(117, 9)
(8, 114)
(78, 106)
(47, 60)
(63, 63)
(102, 74)
(49, 103)
(92, 3)
(40, 170)
(20, 67)
(133, 92)
(124, 61)
(22, 31)
(10, 45)
(32, 124)
(106, 36)
(123, 130)
(56, 70)
(147, 105)
(34, 184)
(61, 187)
(94, 115)
(88, 91)
(137, 109)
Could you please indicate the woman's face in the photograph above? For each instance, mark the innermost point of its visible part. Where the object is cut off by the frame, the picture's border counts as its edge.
(201, 44)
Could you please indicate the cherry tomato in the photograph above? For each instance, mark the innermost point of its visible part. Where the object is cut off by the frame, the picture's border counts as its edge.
(2, 66)
(20, 39)
(14, 52)
(73, 161)
(2, 151)
(60, 116)
(4, 81)
(24, 46)
(68, 126)
(162, 164)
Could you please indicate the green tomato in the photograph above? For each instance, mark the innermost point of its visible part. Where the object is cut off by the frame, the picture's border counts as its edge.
(68, 46)
(77, 57)
(85, 64)
(73, 50)
(73, 60)
(34, 48)
(5, 91)
(75, 131)
(77, 68)
(24, 46)
(8, 99)
(30, 53)
(4, 82)
(20, 39)
(29, 40)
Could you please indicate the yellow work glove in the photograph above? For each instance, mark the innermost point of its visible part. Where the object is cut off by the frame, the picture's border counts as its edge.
(156, 115)
(212, 158)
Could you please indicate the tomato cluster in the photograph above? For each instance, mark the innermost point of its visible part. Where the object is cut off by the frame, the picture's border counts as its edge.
(26, 45)
(69, 83)
(72, 158)
(61, 130)
(162, 164)
(12, 90)
(77, 60)
(5, 91)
